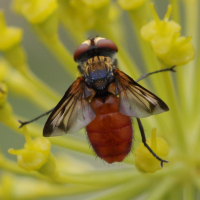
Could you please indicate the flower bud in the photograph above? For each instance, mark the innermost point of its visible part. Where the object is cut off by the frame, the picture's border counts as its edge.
(159, 27)
(164, 36)
(95, 13)
(144, 160)
(36, 156)
(173, 50)
(35, 11)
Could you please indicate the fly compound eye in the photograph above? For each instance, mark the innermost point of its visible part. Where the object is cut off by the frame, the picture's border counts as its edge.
(95, 47)
(105, 43)
(81, 49)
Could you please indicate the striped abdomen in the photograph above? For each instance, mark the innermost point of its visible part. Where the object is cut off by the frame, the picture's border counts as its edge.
(110, 133)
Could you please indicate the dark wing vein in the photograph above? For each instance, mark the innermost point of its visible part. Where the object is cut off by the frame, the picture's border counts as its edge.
(135, 100)
(72, 113)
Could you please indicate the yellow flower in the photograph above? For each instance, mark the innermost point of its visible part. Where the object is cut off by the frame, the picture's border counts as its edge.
(166, 42)
(160, 27)
(144, 160)
(36, 155)
(95, 13)
(35, 11)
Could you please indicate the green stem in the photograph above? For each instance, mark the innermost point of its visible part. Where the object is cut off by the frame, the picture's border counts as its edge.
(77, 36)
(194, 138)
(177, 119)
(162, 188)
(19, 85)
(59, 51)
(196, 83)
(99, 178)
(42, 87)
(17, 59)
(175, 11)
(126, 191)
(174, 194)
(189, 191)
(191, 18)
(189, 79)
(126, 64)
(10, 166)
(53, 191)
(136, 186)
(196, 182)
(141, 15)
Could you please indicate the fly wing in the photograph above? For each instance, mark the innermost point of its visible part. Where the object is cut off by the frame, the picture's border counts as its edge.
(136, 101)
(72, 113)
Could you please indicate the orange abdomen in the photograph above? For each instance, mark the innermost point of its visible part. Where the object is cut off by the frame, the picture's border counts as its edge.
(110, 133)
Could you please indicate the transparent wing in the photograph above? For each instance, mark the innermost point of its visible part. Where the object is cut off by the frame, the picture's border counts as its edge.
(136, 101)
(72, 113)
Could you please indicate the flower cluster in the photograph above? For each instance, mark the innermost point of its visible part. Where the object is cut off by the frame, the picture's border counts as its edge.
(164, 36)
(161, 45)
(36, 155)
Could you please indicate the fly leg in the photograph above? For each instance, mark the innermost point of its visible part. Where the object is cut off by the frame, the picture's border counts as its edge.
(30, 121)
(155, 72)
(146, 145)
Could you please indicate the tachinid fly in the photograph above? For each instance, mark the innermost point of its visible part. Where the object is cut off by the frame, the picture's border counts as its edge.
(103, 99)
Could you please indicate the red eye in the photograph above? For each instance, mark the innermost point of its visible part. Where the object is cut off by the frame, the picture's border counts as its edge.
(105, 43)
(96, 43)
(80, 49)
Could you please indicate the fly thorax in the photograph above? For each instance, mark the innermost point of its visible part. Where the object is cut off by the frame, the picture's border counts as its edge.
(99, 72)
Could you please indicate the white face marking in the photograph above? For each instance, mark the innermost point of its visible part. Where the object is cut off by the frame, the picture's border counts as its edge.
(87, 42)
(97, 39)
